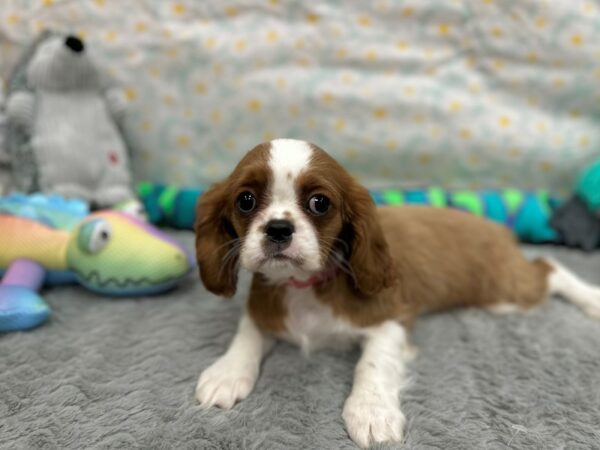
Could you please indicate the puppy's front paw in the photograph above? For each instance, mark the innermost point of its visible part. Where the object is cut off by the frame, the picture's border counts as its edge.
(593, 311)
(592, 305)
(372, 418)
(225, 383)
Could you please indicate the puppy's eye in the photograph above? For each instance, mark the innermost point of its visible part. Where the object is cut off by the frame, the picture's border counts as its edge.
(318, 205)
(246, 202)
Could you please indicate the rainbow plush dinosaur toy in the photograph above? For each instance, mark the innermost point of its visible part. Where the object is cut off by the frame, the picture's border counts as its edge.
(50, 240)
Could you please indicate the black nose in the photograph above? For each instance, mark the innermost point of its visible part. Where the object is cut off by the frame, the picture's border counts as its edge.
(74, 43)
(279, 230)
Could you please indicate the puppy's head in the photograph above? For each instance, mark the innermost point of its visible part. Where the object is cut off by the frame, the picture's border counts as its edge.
(290, 210)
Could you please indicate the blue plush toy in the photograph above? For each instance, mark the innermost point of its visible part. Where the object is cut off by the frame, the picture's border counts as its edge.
(588, 187)
(578, 220)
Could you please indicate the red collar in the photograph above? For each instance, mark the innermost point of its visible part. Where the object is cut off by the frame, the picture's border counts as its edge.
(320, 277)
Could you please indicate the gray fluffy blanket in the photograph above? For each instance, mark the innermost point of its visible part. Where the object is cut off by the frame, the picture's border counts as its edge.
(120, 373)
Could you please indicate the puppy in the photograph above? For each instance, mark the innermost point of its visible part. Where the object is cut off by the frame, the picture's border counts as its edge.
(331, 268)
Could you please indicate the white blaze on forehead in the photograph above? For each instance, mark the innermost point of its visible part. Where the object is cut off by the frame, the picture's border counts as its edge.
(288, 158)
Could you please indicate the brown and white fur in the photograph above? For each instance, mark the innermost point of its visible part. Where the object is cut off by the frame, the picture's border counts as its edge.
(373, 271)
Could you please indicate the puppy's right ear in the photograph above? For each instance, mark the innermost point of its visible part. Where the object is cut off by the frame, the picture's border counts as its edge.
(217, 244)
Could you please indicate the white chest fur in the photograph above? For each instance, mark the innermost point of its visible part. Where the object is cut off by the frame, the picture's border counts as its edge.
(312, 325)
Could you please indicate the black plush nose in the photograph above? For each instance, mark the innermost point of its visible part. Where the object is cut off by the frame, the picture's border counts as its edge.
(279, 231)
(74, 43)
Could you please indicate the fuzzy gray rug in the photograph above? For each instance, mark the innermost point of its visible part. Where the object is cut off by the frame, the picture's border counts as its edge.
(121, 374)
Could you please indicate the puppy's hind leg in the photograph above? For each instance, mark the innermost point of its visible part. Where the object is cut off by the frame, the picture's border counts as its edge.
(563, 282)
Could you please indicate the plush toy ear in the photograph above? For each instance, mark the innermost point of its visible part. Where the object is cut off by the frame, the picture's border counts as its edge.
(370, 258)
(217, 244)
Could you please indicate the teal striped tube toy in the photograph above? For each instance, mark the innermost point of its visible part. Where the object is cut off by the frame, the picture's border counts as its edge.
(527, 213)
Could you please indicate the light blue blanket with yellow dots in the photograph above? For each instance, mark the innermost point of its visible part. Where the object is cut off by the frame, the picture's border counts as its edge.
(478, 94)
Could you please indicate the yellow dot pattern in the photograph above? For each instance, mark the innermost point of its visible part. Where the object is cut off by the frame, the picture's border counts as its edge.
(395, 90)
(254, 105)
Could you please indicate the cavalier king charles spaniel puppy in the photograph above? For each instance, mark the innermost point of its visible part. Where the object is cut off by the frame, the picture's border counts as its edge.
(331, 268)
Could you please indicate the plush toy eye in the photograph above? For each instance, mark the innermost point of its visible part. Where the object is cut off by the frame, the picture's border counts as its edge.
(318, 204)
(94, 235)
(246, 202)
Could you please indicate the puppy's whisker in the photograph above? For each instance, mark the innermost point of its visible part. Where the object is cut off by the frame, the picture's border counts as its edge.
(339, 259)
(344, 243)
(341, 263)
(334, 240)
(230, 256)
(230, 242)
(347, 270)
(231, 253)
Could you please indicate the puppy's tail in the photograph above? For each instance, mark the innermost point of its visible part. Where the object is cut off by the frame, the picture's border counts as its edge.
(563, 282)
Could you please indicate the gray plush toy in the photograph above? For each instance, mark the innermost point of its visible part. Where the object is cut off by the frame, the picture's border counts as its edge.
(4, 159)
(65, 118)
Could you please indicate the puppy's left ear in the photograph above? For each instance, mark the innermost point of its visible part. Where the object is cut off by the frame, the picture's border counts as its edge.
(370, 257)
(216, 242)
